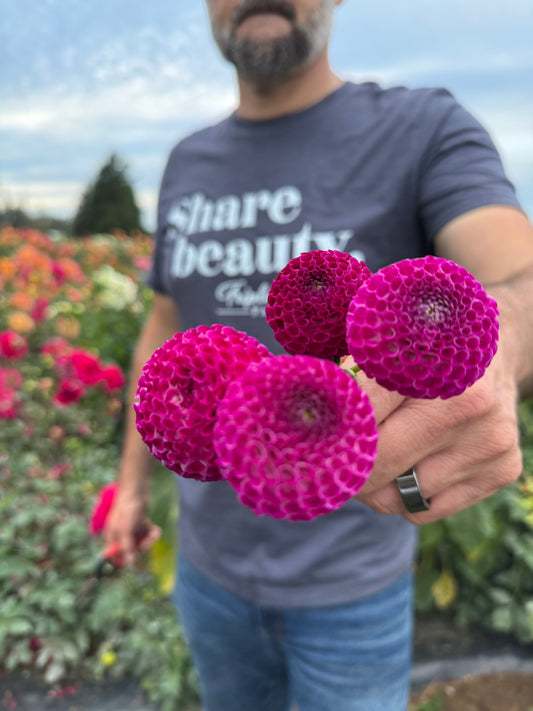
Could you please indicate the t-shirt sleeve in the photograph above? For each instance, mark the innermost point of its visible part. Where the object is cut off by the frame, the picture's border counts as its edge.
(460, 169)
(153, 277)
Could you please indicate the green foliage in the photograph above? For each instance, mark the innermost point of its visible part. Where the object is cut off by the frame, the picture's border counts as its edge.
(434, 704)
(108, 204)
(478, 564)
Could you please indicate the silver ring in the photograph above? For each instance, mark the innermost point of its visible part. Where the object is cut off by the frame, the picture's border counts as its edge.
(409, 488)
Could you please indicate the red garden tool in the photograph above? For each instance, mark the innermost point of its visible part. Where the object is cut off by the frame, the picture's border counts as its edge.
(109, 563)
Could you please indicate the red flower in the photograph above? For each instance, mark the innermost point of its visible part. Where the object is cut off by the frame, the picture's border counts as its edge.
(102, 508)
(56, 347)
(70, 391)
(87, 367)
(13, 346)
(113, 378)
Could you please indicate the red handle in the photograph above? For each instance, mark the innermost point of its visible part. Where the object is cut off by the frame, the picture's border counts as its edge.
(112, 559)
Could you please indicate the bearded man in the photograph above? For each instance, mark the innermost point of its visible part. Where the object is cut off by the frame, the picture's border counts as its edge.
(318, 614)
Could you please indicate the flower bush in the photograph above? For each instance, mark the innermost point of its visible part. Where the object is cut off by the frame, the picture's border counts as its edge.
(70, 312)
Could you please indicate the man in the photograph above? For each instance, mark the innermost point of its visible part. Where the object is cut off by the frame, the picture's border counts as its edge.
(318, 613)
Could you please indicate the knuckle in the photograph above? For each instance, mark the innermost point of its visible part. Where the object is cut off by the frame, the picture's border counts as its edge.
(476, 402)
(513, 470)
(382, 501)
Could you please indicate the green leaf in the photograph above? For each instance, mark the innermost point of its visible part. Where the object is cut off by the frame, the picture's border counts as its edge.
(501, 619)
(469, 528)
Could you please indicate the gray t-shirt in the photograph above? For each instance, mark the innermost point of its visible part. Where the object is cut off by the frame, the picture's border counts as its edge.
(368, 171)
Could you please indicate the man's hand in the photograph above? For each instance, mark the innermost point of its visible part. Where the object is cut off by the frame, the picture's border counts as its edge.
(125, 520)
(463, 449)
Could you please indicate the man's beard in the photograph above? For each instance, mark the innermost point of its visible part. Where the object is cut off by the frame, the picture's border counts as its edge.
(274, 57)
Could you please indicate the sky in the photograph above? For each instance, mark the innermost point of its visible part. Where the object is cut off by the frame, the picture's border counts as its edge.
(82, 79)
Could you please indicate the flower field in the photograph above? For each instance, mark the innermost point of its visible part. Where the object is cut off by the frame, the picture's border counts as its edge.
(70, 313)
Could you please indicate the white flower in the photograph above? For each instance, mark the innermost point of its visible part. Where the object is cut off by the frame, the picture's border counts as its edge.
(117, 291)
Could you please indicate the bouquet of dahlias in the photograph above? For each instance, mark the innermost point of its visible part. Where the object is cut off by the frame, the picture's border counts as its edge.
(295, 434)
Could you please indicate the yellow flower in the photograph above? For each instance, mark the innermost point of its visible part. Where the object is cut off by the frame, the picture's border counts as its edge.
(108, 658)
(20, 322)
(444, 590)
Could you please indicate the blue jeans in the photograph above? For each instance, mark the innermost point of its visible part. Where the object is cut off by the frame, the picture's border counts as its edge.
(353, 657)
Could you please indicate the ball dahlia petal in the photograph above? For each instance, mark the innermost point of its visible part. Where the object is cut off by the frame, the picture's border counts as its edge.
(179, 391)
(423, 327)
(308, 301)
(295, 437)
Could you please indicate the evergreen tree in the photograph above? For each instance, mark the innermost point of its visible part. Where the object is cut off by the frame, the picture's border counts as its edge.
(108, 203)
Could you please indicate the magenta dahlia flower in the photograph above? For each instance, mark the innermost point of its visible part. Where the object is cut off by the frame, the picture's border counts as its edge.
(423, 327)
(295, 437)
(179, 391)
(308, 301)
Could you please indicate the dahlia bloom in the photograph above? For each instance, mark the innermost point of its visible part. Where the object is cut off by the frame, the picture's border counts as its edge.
(112, 378)
(308, 301)
(9, 403)
(87, 366)
(13, 346)
(179, 391)
(70, 392)
(423, 327)
(295, 437)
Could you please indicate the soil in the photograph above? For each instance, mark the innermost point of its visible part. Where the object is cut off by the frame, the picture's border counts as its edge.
(511, 691)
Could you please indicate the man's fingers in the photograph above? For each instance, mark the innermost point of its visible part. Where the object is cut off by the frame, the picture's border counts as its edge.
(383, 401)
(154, 533)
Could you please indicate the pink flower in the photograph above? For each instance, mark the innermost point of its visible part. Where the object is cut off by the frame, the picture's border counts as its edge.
(11, 378)
(13, 346)
(103, 506)
(308, 301)
(40, 309)
(9, 403)
(424, 327)
(58, 471)
(179, 391)
(295, 437)
(113, 378)
(70, 392)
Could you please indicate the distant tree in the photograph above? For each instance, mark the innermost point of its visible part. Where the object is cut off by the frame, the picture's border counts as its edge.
(108, 203)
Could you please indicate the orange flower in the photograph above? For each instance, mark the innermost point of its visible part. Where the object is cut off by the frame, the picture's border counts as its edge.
(71, 269)
(67, 326)
(21, 300)
(8, 268)
(21, 322)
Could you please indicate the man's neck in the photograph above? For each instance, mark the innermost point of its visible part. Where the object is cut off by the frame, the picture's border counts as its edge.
(267, 99)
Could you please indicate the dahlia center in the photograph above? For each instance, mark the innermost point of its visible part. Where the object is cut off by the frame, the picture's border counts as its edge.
(433, 310)
(309, 409)
(318, 282)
